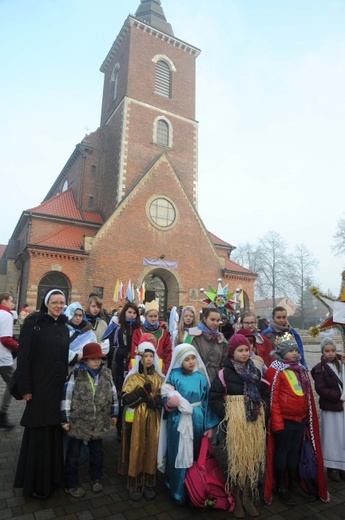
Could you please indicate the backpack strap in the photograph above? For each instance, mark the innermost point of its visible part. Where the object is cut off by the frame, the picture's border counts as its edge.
(221, 377)
(205, 449)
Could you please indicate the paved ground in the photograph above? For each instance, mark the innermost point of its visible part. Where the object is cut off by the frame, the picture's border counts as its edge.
(113, 502)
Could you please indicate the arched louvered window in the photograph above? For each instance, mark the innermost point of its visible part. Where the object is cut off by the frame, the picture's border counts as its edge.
(162, 135)
(116, 83)
(163, 79)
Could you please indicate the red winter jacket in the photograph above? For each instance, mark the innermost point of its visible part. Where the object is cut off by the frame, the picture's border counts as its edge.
(285, 402)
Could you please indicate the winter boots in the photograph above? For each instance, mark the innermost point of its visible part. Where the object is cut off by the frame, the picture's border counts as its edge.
(245, 505)
(295, 486)
(281, 488)
(238, 512)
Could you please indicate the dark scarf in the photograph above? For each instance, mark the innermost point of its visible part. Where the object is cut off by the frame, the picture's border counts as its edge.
(149, 371)
(92, 319)
(249, 375)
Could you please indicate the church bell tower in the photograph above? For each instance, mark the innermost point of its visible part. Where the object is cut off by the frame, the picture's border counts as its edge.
(148, 105)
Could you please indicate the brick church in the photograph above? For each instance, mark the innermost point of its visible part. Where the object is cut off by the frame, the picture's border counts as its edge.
(125, 204)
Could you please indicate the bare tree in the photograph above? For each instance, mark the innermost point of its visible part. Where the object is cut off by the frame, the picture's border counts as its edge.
(248, 255)
(304, 265)
(338, 248)
(277, 269)
(271, 261)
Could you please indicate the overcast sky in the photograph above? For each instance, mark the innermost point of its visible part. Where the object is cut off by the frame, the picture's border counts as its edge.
(270, 102)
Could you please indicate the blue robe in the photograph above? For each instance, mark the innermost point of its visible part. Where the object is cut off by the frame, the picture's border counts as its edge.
(194, 388)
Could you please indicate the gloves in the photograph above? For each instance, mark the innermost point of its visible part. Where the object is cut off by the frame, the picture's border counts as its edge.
(150, 403)
(148, 388)
(173, 401)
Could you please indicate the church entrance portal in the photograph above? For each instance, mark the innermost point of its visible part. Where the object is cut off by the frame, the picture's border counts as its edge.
(162, 286)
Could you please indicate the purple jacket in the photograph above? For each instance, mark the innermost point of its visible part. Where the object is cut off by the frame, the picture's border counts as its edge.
(327, 387)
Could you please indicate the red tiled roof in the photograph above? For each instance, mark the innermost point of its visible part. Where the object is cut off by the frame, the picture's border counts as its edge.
(62, 205)
(92, 217)
(232, 266)
(268, 302)
(2, 249)
(68, 237)
(218, 241)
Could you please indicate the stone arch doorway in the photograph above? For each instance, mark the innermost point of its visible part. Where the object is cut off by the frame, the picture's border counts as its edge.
(53, 280)
(161, 285)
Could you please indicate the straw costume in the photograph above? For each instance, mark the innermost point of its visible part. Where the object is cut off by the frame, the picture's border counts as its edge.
(241, 400)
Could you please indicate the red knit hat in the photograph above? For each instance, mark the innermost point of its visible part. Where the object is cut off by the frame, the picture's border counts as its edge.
(237, 340)
(247, 333)
(148, 336)
(93, 350)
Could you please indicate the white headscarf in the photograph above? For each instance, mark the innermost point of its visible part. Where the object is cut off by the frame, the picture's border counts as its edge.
(180, 353)
(145, 345)
(48, 295)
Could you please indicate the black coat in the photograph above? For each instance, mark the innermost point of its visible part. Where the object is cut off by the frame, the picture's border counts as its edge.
(42, 368)
(327, 387)
(234, 386)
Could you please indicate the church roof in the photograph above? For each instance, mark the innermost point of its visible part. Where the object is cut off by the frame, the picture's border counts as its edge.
(230, 265)
(151, 12)
(219, 242)
(68, 237)
(63, 205)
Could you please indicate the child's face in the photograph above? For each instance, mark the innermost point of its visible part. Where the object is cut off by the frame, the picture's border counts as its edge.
(242, 354)
(329, 353)
(94, 309)
(130, 313)
(148, 359)
(189, 363)
(292, 355)
(78, 317)
(212, 321)
(280, 318)
(93, 363)
(188, 318)
(152, 317)
(249, 322)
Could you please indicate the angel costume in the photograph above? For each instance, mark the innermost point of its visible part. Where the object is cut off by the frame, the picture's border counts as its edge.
(184, 427)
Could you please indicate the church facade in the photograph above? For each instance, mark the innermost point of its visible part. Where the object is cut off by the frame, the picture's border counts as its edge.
(124, 206)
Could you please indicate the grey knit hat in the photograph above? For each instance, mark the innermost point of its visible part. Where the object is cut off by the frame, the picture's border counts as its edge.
(327, 340)
(283, 345)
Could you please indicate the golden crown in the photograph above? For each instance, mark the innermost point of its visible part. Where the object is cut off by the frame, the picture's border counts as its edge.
(286, 338)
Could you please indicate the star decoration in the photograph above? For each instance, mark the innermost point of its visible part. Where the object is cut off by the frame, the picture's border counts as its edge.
(336, 311)
(220, 297)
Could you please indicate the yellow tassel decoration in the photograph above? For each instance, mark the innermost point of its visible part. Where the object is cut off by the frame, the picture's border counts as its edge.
(315, 290)
(314, 332)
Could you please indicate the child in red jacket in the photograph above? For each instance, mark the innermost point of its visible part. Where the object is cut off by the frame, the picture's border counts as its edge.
(292, 409)
(153, 325)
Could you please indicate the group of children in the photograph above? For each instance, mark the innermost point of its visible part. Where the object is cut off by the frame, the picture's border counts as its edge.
(169, 405)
